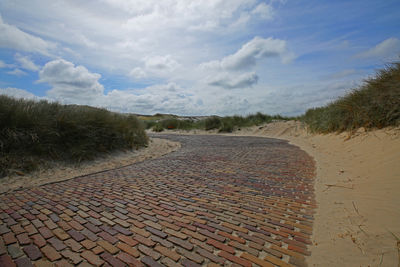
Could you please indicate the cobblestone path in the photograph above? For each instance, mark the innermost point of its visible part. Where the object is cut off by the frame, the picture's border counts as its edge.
(218, 201)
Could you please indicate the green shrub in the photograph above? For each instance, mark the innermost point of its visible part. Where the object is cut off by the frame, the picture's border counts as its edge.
(158, 128)
(212, 123)
(375, 104)
(33, 132)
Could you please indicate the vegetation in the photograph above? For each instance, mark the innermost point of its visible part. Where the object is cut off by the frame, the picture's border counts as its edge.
(222, 124)
(376, 104)
(32, 133)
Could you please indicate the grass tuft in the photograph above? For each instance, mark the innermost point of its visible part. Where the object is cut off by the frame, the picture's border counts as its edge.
(32, 133)
(375, 104)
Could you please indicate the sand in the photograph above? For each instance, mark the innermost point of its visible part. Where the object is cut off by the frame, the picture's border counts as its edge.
(357, 189)
(156, 148)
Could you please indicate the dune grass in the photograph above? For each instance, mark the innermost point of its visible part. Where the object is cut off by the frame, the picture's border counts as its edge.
(375, 104)
(221, 124)
(32, 133)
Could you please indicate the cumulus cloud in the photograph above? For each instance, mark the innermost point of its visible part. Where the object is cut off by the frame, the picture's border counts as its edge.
(157, 66)
(227, 81)
(14, 38)
(387, 48)
(70, 83)
(248, 55)
(26, 63)
(17, 72)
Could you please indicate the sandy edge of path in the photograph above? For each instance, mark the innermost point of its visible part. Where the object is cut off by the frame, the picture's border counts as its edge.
(156, 148)
(357, 189)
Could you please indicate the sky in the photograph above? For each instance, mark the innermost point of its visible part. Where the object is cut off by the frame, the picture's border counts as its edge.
(191, 57)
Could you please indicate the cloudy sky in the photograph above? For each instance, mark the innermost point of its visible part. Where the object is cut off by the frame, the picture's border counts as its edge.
(192, 57)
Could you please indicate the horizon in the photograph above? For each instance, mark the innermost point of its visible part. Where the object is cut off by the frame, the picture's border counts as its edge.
(191, 58)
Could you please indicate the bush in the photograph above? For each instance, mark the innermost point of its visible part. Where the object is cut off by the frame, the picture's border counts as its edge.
(212, 123)
(158, 128)
(376, 104)
(33, 132)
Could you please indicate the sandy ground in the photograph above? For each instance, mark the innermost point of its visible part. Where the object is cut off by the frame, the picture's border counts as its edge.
(357, 189)
(156, 148)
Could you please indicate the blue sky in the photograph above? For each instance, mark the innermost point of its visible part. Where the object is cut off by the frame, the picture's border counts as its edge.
(192, 57)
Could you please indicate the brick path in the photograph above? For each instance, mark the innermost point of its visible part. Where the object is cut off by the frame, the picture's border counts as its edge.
(233, 201)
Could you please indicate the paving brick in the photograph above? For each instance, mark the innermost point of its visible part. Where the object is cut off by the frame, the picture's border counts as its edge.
(60, 234)
(128, 240)
(107, 246)
(108, 237)
(9, 238)
(50, 253)
(57, 243)
(193, 256)
(14, 251)
(38, 240)
(180, 242)
(45, 232)
(88, 244)
(256, 260)
(167, 252)
(210, 256)
(75, 246)
(176, 234)
(234, 259)
(128, 259)
(276, 261)
(77, 236)
(6, 261)
(144, 241)
(74, 257)
(148, 261)
(212, 235)
(128, 249)
(23, 262)
(33, 252)
(92, 258)
(149, 252)
(189, 263)
(112, 260)
(170, 263)
(220, 246)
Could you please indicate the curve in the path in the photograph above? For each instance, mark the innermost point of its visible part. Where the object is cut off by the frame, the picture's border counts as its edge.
(217, 201)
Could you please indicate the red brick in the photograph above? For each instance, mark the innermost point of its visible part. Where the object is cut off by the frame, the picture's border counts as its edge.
(9, 238)
(38, 240)
(149, 252)
(128, 249)
(50, 253)
(144, 241)
(92, 258)
(167, 252)
(234, 259)
(256, 260)
(232, 237)
(112, 260)
(221, 246)
(6, 261)
(45, 232)
(127, 240)
(128, 259)
(33, 252)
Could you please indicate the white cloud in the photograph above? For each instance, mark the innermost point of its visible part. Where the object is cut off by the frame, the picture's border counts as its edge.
(71, 84)
(5, 65)
(17, 72)
(18, 93)
(264, 11)
(155, 66)
(14, 38)
(26, 62)
(389, 48)
(248, 55)
(228, 81)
